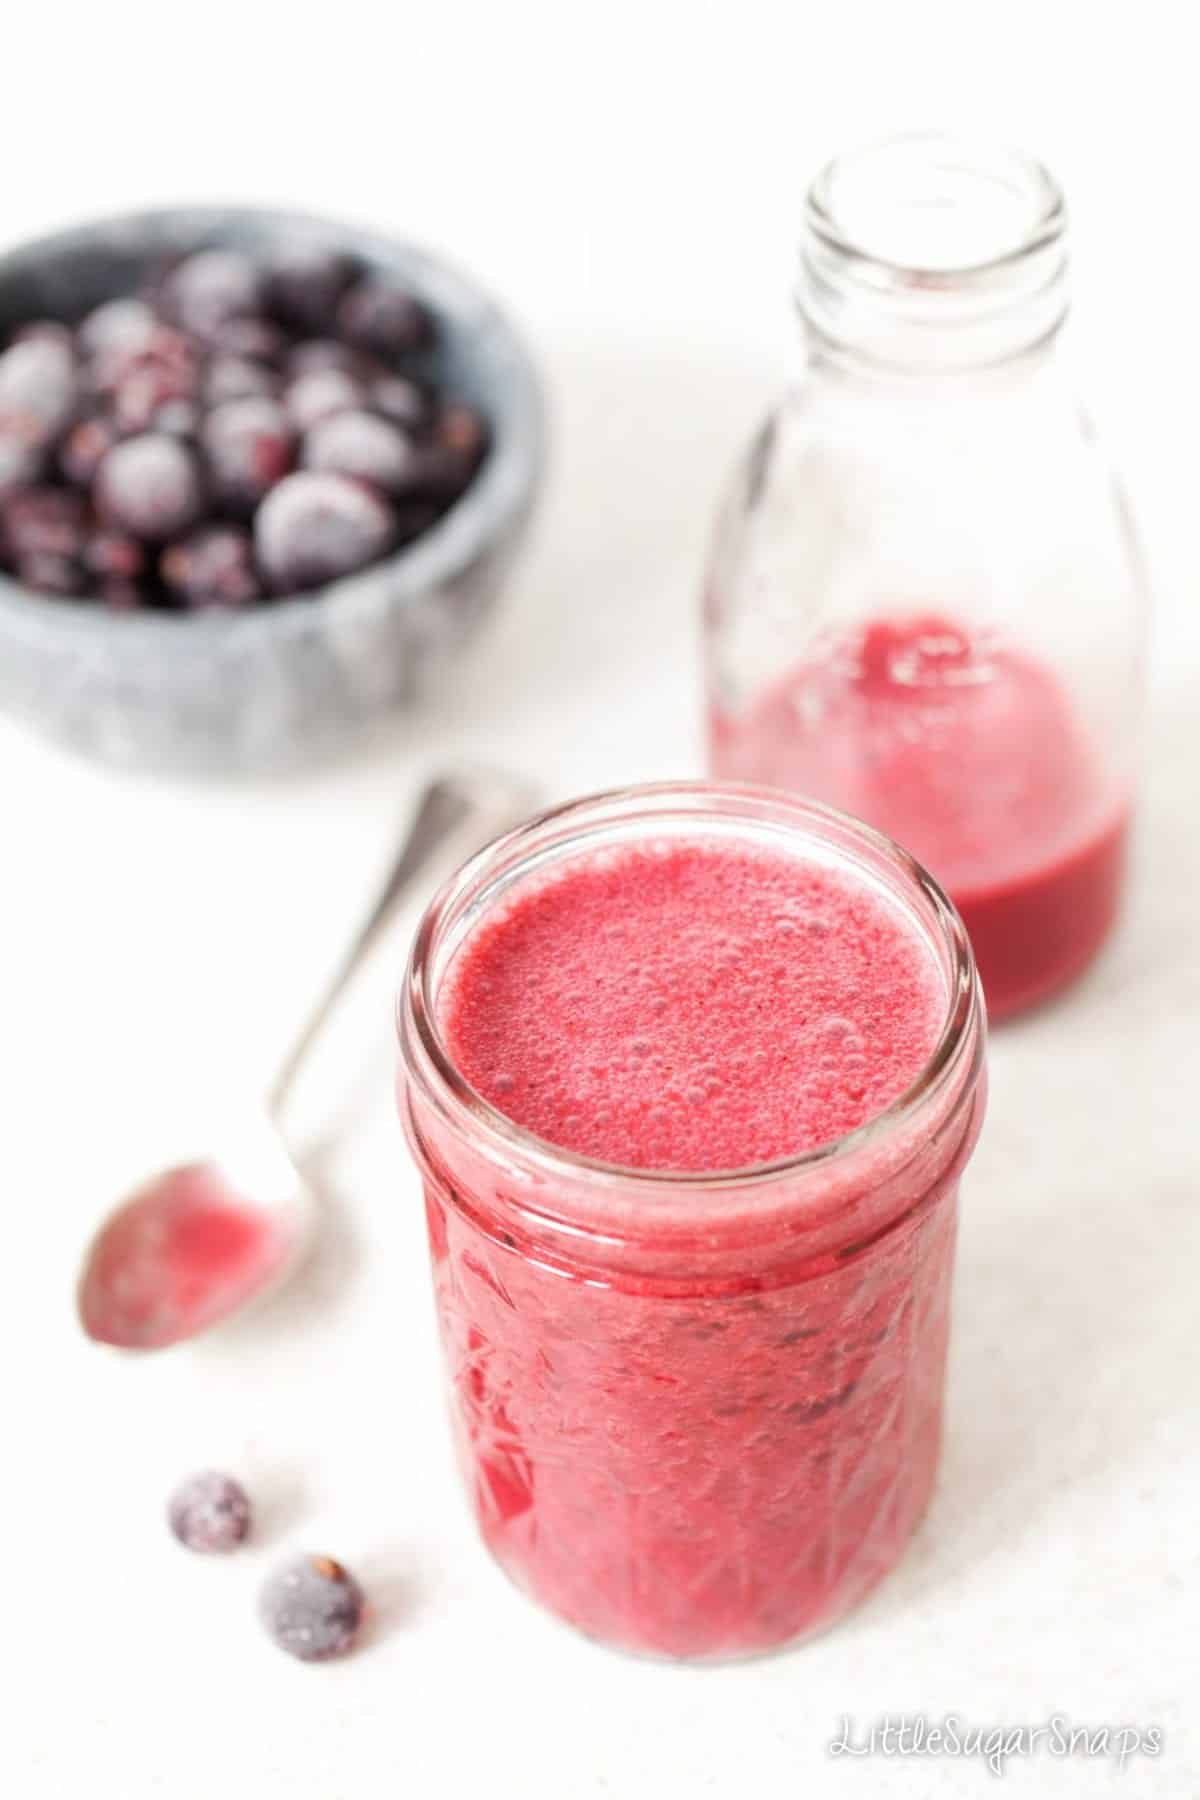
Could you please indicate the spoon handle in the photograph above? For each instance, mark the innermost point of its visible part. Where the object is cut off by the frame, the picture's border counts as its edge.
(464, 807)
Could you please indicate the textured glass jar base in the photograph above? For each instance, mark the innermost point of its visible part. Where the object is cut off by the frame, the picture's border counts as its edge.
(703, 1475)
(719, 1659)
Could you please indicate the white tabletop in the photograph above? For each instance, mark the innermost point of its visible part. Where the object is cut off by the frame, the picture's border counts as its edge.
(629, 179)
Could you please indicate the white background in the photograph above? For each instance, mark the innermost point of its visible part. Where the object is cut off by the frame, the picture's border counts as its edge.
(628, 178)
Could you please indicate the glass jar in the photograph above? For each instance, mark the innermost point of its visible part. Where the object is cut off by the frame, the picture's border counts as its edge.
(698, 1415)
(925, 603)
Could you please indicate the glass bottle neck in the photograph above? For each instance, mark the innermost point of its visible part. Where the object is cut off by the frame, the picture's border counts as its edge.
(933, 255)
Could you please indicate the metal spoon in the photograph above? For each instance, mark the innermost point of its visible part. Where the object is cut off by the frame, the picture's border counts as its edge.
(208, 1234)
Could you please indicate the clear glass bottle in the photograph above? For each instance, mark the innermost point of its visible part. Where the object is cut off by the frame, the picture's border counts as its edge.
(698, 1414)
(925, 602)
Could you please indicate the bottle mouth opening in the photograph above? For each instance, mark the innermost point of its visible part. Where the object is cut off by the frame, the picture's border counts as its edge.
(930, 253)
(937, 208)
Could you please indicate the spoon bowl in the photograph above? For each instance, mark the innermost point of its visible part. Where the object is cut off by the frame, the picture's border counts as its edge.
(198, 1241)
(226, 1223)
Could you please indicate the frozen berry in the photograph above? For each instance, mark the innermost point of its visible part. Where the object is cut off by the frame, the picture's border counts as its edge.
(52, 329)
(400, 400)
(181, 418)
(313, 1608)
(171, 356)
(211, 288)
(363, 445)
(462, 432)
(142, 395)
(167, 372)
(84, 448)
(43, 521)
(248, 446)
(210, 1512)
(50, 574)
(315, 526)
(212, 567)
(37, 391)
(313, 355)
(112, 555)
(121, 327)
(319, 393)
(380, 314)
(120, 594)
(20, 461)
(455, 450)
(258, 338)
(305, 283)
(150, 485)
(237, 378)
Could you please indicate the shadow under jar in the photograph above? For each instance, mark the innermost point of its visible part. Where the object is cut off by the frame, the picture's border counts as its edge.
(698, 1409)
(925, 603)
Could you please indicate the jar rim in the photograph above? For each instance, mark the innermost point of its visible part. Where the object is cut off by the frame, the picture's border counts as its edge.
(960, 1037)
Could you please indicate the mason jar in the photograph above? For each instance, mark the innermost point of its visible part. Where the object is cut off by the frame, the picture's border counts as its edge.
(697, 1414)
(925, 602)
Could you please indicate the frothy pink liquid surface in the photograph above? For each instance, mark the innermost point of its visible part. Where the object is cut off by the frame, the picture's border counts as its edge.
(971, 756)
(722, 1457)
(694, 1007)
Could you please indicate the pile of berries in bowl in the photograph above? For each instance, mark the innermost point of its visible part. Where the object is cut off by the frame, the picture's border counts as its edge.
(242, 429)
(255, 470)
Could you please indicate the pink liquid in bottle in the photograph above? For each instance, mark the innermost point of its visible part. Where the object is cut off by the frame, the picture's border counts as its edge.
(972, 758)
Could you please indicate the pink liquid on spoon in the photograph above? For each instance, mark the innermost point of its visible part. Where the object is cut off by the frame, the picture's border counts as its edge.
(694, 1466)
(181, 1254)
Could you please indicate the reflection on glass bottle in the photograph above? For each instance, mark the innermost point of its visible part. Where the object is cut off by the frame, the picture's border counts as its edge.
(925, 604)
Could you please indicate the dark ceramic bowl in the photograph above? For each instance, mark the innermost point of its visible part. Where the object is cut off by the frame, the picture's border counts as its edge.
(290, 682)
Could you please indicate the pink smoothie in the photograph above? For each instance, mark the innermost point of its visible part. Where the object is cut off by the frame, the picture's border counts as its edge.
(971, 756)
(676, 1454)
(694, 1007)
